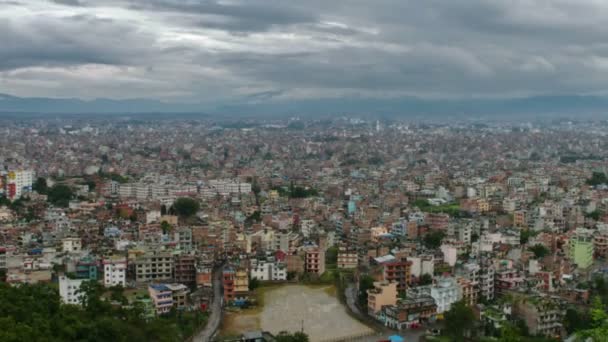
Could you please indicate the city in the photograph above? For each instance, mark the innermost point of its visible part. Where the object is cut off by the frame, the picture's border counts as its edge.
(340, 228)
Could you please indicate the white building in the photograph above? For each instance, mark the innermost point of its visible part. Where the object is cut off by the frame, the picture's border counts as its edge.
(71, 245)
(115, 272)
(450, 254)
(19, 182)
(68, 290)
(445, 293)
(268, 271)
(422, 264)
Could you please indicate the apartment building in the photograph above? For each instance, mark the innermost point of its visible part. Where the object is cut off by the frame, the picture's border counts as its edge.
(314, 260)
(115, 271)
(154, 266)
(184, 269)
(383, 293)
(347, 258)
(69, 290)
(166, 297)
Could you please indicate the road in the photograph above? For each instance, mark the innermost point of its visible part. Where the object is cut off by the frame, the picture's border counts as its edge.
(215, 318)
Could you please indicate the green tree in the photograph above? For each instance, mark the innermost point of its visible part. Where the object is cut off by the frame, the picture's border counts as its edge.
(433, 239)
(599, 323)
(461, 320)
(331, 256)
(60, 195)
(539, 251)
(284, 336)
(166, 227)
(365, 283)
(426, 279)
(40, 186)
(186, 206)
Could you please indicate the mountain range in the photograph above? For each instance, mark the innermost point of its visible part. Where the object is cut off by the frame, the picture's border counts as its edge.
(575, 106)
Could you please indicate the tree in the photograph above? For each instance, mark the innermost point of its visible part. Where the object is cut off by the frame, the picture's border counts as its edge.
(186, 206)
(254, 283)
(163, 210)
(331, 256)
(365, 283)
(60, 195)
(525, 236)
(539, 251)
(165, 227)
(433, 239)
(284, 336)
(599, 323)
(426, 279)
(461, 319)
(40, 186)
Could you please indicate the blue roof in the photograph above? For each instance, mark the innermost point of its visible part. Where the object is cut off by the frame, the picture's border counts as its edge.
(396, 338)
(159, 287)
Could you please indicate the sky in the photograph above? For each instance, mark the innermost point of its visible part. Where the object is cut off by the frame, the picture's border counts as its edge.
(218, 51)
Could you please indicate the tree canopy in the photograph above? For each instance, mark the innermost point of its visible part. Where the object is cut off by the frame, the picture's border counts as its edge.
(539, 251)
(461, 319)
(433, 239)
(186, 206)
(60, 195)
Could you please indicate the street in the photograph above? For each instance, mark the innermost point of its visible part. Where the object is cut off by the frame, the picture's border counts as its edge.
(215, 317)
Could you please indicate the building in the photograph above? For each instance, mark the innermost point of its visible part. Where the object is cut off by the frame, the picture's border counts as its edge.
(184, 269)
(422, 264)
(543, 316)
(86, 268)
(154, 266)
(314, 260)
(2, 258)
(398, 271)
(445, 292)
(383, 293)
(581, 248)
(409, 312)
(265, 270)
(236, 286)
(115, 272)
(168, 296)
(347, 258)
(19, 182)
(71, 245)
(69, 290)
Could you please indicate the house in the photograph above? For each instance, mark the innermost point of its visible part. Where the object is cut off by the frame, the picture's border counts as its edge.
(383, 293)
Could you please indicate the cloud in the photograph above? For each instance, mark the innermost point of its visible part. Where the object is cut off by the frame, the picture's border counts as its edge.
(262, 50)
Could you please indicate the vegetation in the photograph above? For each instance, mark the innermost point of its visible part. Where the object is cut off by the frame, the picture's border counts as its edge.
(284, 336)
(596, 214)
(433, 239)
(426, 279)
(450, 209)
(365, 283)
(461, 320)
(40, 186)
(525, 235)
(331, 257)
(186, 206)
(597, 178)
(539, 251)
(60, 195)
(35, 313)
(599, 323)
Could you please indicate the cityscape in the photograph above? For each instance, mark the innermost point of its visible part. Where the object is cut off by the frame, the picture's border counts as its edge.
(303, 171)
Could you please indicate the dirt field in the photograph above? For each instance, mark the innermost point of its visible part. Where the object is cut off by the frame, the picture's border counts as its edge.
(288, 308)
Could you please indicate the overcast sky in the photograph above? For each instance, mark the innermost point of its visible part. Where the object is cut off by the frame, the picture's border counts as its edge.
(264, 50)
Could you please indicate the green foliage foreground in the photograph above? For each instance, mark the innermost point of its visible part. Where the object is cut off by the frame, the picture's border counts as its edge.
(35, 313)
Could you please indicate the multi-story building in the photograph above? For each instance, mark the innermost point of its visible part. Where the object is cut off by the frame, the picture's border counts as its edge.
(115, 271)
(168, 296)
(69, 290)
(383, 293)
(184, 269)
(71, 245)
(486, 278)
(347, 258)
(268, 270)
(236, 286)
(2, 258)
(19, 182)
(445, 292)
(154, 266)
(580, 248)
(408, 312)
(507, 280)
(398, 271)
(422, 264)
(543, 316)
(314, 260)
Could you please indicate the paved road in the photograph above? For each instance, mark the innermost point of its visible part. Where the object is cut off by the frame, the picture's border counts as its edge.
(215, 317)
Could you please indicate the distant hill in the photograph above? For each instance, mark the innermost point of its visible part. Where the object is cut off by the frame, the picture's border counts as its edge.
(531, 107)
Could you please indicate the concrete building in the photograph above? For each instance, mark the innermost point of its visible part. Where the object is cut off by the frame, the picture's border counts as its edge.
(71, 245)
(19, 182)
(408, 312)
(445, 292)
(398, 271)
(268, 270)
(347, 258)
(168, 296)
(543, 316)
(314, 260)
(184, 269)
(154, 266)
(422, 264)
(115, 272)
(383, 293)
(69, 290)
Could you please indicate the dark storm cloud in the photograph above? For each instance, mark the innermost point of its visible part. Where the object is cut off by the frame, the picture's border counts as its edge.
(265, 49)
